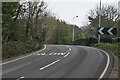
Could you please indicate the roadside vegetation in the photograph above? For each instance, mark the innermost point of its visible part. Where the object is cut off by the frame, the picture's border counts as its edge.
(114, 48)
(109, 18)
(26, 26)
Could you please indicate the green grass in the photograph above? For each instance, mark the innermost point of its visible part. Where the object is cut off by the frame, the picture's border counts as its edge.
(114, 48)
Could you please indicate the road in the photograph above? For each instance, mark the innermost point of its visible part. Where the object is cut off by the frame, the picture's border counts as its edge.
(61, 61)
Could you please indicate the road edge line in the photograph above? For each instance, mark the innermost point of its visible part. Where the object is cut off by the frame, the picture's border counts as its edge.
(107, 65)
(23, 56)
(40, 50)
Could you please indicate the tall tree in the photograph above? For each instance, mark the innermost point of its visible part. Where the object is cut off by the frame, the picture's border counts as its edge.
(9, 25)
(109, 18)
(35, 14)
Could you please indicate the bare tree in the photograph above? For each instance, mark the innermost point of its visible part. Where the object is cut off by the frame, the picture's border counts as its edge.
(34, 13)
(109, 17)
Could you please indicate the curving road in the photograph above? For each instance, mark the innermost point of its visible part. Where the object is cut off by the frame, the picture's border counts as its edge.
(61, 61)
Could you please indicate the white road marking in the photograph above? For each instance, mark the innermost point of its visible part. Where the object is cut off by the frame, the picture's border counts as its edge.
(38, 54)
(59, 54)
(55, 53)
(63, 53)
(107, 65)
(40, 50)
(20, 78)
(67, 54)
(43, 54)
(51, 54)
(23, 57)
(49, 64)
(69, 49)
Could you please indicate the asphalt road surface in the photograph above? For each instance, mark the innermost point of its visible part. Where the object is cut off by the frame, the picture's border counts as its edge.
(61, 61)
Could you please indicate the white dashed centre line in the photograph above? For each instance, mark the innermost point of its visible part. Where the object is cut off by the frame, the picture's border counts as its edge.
(49, 64)
(67, 54)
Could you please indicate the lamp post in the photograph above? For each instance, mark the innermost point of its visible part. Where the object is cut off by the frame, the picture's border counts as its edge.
(73, 28)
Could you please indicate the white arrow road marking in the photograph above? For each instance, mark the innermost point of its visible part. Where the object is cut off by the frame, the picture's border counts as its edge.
(49, 64)
(107, 65)
(100, 30)
(109, 31)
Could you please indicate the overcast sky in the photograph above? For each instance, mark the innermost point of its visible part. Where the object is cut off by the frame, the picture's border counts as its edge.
(67, 9)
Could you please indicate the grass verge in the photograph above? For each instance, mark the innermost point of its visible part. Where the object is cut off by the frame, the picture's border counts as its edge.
(114, 48)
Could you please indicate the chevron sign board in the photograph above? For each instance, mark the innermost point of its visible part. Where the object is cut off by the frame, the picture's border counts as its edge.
(109, 31)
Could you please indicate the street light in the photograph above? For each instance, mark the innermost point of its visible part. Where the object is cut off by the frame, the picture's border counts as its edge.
(73, 28)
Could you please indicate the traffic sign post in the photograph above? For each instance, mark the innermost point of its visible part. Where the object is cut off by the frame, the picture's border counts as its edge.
(107, 31)
(99, 22)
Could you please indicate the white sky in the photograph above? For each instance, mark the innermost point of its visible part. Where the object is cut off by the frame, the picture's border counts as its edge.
(67, 9)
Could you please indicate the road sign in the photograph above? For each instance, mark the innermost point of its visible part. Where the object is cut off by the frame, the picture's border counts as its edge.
(109, 31)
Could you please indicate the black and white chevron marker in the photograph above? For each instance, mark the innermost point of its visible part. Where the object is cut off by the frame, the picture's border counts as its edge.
(110, 31)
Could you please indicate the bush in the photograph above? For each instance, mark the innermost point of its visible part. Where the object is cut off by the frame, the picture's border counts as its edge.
(15, 48)
(111, 47)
